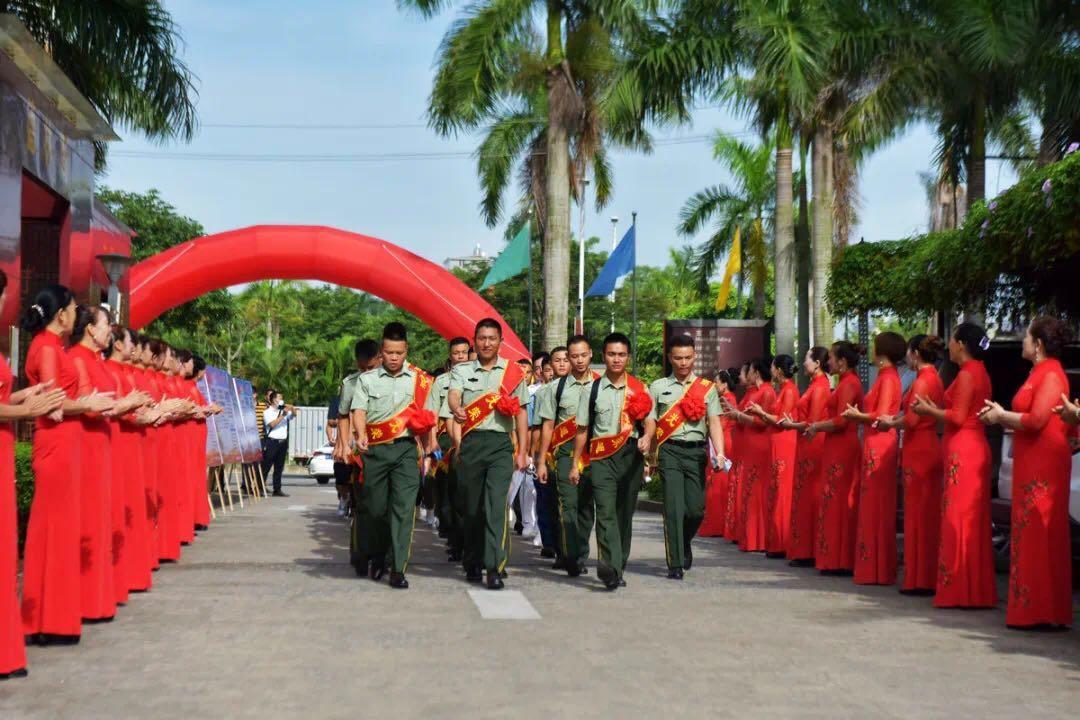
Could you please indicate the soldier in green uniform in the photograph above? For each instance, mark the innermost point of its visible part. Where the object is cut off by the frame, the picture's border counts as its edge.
(480, 398)
(688, 410)
(558, 409)
(381, 410)
(609, 420)
(448, 507)
(366, 353)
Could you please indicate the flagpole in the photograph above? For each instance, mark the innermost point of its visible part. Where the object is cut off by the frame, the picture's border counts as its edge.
(614, 225)
(530, 281)
(633, 292)
(581, 262)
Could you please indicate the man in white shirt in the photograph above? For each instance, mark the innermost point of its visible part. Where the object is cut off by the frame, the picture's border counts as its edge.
(276, 419)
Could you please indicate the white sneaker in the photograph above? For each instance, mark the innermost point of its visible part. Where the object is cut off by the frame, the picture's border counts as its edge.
(422, 514)
(530, 532)
(434, 522)
(513, 517)
(536, 541)
(341, 508)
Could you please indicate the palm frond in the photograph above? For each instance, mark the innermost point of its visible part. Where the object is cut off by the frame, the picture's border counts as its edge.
(704, 205)
(506, 139)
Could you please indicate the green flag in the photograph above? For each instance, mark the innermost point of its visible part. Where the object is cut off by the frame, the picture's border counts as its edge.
(511, 261)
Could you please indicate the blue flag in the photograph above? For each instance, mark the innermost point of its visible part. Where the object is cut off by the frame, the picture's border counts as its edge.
(620, 263)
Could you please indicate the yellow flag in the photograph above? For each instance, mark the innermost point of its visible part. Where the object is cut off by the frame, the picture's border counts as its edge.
(734, 265)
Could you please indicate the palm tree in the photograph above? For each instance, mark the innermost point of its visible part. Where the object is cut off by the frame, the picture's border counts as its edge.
(489, 69)
(746, 208)
(123, 56)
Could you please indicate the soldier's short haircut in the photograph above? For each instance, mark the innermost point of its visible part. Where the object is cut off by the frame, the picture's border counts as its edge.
(395, 332)
(617, 338)
(575, 339)
(459, 341)
(679, 341)
(366, 350)
(489, 323)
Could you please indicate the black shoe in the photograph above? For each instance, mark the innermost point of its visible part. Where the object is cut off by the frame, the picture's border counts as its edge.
(453, 556)
(200, 527)
(676, 574)
(278, 493)
(398, 581)
(801, 562)
(377, 571)
(503, 574)
(574, 570)
(20, 673)
(919, 592)
(474, 575)
(838, 573)
(444, 533)
(775, 555)
(494, 581)
(547, 553)
(622, 583)
(583, 569)
(560, 564)
(688, 559)
(608, 576)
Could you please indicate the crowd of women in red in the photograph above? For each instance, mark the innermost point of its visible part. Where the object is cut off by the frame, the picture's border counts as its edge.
(816, 478)
(119, 464)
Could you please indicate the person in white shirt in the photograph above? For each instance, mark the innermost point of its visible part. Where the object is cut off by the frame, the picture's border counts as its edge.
(276, 419)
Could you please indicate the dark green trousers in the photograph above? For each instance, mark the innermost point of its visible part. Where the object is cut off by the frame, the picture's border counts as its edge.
(388, 500)
(616, 482)
(683, 473)
(576, 513)
(487, 462)
(358, 549)
(451, 506)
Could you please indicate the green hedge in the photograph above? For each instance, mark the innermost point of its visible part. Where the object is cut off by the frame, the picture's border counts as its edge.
(24, 486)
(1022, 249)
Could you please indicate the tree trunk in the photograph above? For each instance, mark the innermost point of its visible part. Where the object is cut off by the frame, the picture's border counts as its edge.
(557, 220)
(784, 247)
(976, 170)
(822, 240)
(802, 251)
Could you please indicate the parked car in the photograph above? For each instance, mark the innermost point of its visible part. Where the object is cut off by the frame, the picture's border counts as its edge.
(1001, 506)
(321, 465)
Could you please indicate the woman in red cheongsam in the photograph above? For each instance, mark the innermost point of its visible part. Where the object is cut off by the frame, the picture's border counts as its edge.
(755, 459)
(51, 602)
(812, 407)
(185, 518)
(1040, 559)
(716, 491)
(782, 467)
(841, 464)
(168, 509)
(197, 368)
(732, 531)
(921, 468)
(875, 536)
(137, 371)
(32, 402)
(125, 438)
(100, 548)
(966, 556)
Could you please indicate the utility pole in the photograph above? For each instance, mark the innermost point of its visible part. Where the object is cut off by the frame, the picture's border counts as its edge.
(614, 226)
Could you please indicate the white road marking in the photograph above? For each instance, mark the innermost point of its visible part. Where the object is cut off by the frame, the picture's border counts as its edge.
(504, 605)
(297, 508)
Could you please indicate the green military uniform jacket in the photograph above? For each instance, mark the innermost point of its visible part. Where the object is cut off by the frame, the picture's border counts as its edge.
(668, 391)
(382, 395)
(473, 382)
(609, 404)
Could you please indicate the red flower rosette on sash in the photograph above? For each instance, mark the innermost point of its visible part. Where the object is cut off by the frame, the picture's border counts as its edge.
(693, 408)
(421, 420)
(508, 405)
(638, 406)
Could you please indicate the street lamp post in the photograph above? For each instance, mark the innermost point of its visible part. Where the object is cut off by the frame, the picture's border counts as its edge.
(115, 267)
(614, 225)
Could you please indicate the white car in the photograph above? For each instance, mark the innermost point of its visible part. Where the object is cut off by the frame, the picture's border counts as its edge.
(321, 465)
(1006, 473)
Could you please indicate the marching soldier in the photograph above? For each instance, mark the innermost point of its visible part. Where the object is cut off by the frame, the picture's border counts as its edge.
(388, 411)
(448, 507)
(686, 415)
(609, 421)
(487, 399)
(558, 410)
(366, 353)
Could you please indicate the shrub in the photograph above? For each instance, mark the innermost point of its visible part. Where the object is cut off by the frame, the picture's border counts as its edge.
(24, 487)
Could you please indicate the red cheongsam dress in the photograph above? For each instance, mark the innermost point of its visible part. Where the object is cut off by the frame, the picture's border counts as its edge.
(875, 539)
(1040, 567)
(841, 465)
(921, 467)
(782, 472)
(755, 472)
(716, 491)
(966, 556)
(12, 648)
(812, 407)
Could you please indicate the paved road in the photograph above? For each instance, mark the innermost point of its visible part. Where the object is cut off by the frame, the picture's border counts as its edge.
(263, 618)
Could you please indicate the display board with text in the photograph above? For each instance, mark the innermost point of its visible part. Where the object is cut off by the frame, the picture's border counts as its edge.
(226, 425)
(250, 445)
(721, 344)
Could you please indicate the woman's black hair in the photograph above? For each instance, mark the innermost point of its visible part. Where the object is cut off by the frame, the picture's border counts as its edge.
(849, 352)
(49, 301)
(1054, 333)
(85, 316)
(761, 366)
(3, 281)
(973, 338)
(890, 345)
(820, 355)
(927, 347)
(724, 376)
(785, 364)
(200, 364)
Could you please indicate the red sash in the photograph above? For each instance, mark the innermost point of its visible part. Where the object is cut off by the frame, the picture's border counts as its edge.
(392, 428)
(675, 416)
(479, 409)
(608, 445)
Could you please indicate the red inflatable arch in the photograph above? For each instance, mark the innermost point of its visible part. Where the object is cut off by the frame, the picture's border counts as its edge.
(309, 252)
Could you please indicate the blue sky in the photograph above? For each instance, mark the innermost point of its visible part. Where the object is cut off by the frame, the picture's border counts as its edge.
(337, 63)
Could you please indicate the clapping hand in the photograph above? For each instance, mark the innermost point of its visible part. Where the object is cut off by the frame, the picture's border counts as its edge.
(923, 405)
(991, 412)
(1069, 410)
(851, 412)
(45, 403)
